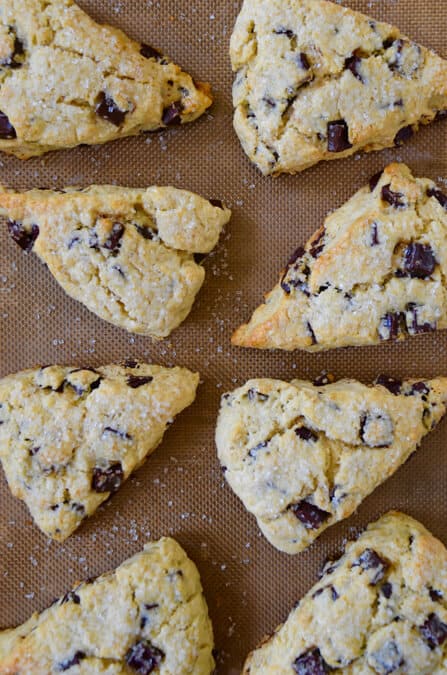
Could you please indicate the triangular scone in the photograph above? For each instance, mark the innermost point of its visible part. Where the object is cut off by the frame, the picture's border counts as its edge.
(317, 81)
(381, 608)
(127, 254)
(69, 437)
(149, 615)
(67, 80)
(375, 271)
(301, 456)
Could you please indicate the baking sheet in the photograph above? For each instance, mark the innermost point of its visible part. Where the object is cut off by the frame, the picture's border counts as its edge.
(180, 491)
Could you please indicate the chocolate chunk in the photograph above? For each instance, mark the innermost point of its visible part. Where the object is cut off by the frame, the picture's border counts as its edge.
(254, 395)
(145, 231)
(374, 235)
(72, 242)
(370, 560)
(107, 480)
(11, 61)
(312, 334)
(285, 31)
(414, 327)
(24, 237)
(121, 434)
(135, 381)
(79, 508)
(310, 663)
(396, 61)
(392, 325)
(306, 434)
(390, 383)
(419, 260)
(144, 657)
(216, 202)
(419, 388)
(395, 199)
(388, 42)
(297, 255)
(130, 363)
(303, 61)
(440, 196)
(71, 596)
(108, 109)
(434, 631)
(403, 134)
(254, 451)
(310, 515)
(387, 659)
(173, 114)
(7, 131)
(436, 596)
(373, 181)
(387, 590)
(316, 246)
(338, 136)
(95, 384)
(353, 64)
(269, 101)
(334, 594)
(113, 241)
(150, 606)
(150, 52)
(73, 661)
(32, 451)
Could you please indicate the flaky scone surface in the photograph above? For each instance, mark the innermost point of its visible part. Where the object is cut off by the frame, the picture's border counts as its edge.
(149, 615)
(69, 437)
(302, 457)
(316, 81)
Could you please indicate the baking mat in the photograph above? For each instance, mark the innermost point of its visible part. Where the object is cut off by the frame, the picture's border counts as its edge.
(180, 491)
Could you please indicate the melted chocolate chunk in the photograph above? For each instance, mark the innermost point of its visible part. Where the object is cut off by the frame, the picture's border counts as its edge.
(108, 110)
(440, 196)
(388, 42)
(419, 260)
(71, 596)
(173, 114)
(216, 202)
(261, 446)
(150, 606)
(24, 237)
(303, 61)
(404, 134)
(387, 590)
(334, 594)
(150, 52)
(316, 246)
(393, 385)
(353, 64)
(306, 434)
(285, 31)
(370, 560)
(107, 480)
(435, 595)
(374, 235)
(144, 657)
(414, 327)
(392, 325)
(420, 388)
(310, 663)
(395, 199)
(7, 131)
(373, 181)
(434, 631)
(75, 660)
(312, 334)
(79, 508)
(387, 659)
(254, 395)
(130, 363)
(31, 451)
(338, 136)
(310, 515)
(113, 241)
(145, 231)
(135, 381)
(95, 384)
(297, 255)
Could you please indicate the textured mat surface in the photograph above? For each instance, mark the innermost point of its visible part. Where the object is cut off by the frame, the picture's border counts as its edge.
(180, 491)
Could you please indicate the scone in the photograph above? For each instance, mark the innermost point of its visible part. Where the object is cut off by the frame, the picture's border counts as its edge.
(127, 254)
(303, 456)
(69, 437)
(66, 80)
(375, 271)
(148, 616)
(381, 608)
(316, 81)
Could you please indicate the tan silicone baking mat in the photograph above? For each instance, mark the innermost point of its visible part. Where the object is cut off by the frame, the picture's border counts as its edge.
(250, 587)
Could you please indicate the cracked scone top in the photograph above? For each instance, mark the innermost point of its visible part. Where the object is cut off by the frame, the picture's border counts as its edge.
(375, 271)
(69, 437)
(380, 609)
(316, 81)
(149, 615)
(67, 80)
(127, 254)
(303, 456)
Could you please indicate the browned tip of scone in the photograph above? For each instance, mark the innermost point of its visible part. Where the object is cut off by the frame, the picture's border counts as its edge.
(205, 89)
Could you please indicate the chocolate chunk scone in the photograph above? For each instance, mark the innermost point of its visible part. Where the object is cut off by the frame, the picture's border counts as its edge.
(380, 609)
(69, 437)
(148, 616)
(375, 271)
(303, 456)
(316, 81)
(127, 254)
(66, 80)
